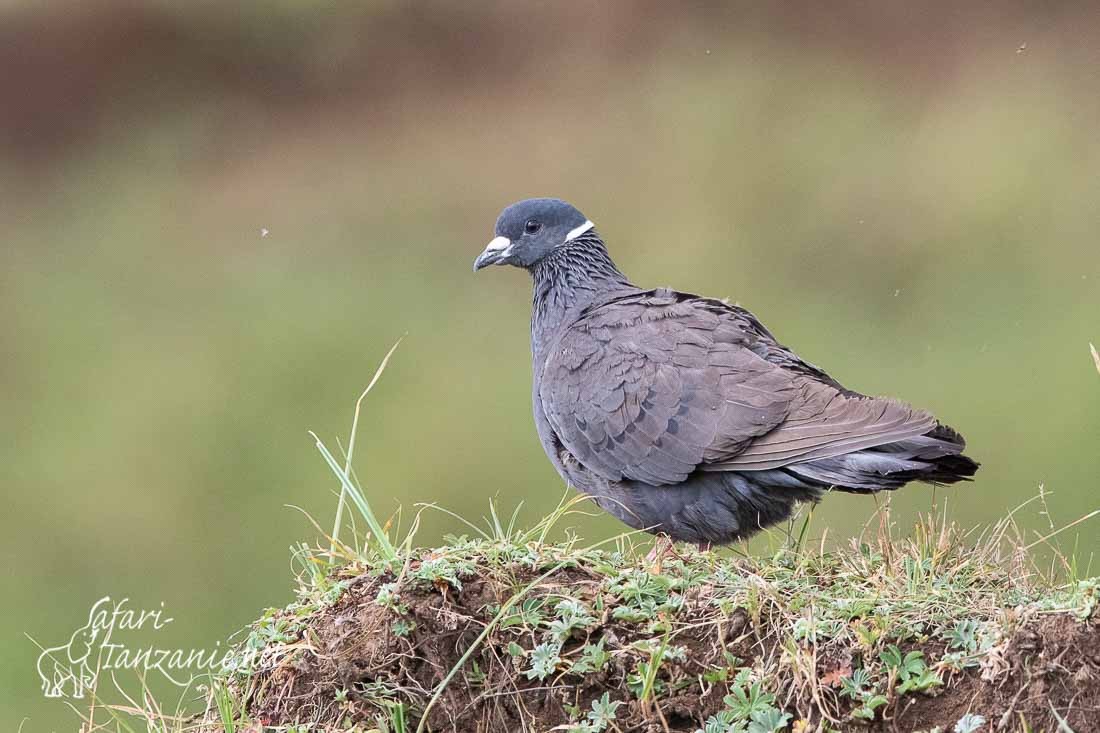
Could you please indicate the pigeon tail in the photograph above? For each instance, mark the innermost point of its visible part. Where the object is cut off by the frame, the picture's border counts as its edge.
(935, 457)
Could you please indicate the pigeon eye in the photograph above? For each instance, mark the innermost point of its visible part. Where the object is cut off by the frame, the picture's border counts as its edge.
(532, 226)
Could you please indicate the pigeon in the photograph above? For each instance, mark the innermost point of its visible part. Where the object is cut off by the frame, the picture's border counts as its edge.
(682, 415)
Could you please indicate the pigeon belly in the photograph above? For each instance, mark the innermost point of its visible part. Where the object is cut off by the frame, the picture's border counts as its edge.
(708, 507)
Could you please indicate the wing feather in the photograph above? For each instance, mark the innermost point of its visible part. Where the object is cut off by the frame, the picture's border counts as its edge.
(656, 385)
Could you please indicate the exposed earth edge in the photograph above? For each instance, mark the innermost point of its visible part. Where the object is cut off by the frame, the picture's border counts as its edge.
(1044, 674)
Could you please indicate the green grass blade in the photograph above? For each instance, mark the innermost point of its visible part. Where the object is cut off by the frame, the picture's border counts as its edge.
(351, 443)
(357, 498)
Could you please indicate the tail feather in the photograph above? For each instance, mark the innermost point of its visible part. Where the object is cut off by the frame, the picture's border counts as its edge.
(935, 457)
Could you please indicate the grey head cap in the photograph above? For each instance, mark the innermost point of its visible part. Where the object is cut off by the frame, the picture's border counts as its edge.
(529, 230)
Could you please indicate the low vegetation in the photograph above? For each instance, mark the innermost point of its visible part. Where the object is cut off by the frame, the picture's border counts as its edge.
(500, 629)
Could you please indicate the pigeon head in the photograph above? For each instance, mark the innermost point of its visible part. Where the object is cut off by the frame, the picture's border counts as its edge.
(528, 231)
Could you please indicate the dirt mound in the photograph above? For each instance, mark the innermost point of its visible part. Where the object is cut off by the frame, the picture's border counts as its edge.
(596, 642)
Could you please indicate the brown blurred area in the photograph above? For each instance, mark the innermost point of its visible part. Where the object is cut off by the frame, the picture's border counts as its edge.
(73, 70)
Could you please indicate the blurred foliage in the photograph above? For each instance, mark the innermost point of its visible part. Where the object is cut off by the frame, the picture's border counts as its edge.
(908, 199)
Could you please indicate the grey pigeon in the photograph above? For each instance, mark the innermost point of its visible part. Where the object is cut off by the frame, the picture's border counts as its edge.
(683, 415)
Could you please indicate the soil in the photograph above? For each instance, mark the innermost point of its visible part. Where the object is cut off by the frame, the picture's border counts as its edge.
(1049, 668)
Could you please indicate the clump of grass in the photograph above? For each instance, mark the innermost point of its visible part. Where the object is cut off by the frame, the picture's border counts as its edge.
(349, 483)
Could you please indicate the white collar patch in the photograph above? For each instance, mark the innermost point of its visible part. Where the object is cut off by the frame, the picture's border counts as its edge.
(574, 233)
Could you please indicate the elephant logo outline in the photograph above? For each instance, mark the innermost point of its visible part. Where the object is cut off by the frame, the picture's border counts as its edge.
(67, 665)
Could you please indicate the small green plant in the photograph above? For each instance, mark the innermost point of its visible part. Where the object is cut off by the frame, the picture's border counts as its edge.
(723, 722)
(603, 712)
(527, 615)
(593, 659)
(598, 718)
(966, 641)
(970, 723)
(571, 615)
(964, 636)
(645, 611)
(858, 687)
(910, 671)
(868, 704)
(443, 569)
(749, 709)
(545, 659)
(745, 699)
(644, 595)
(769, 721)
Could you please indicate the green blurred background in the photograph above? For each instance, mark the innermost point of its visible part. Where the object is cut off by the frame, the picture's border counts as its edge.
(909, 197)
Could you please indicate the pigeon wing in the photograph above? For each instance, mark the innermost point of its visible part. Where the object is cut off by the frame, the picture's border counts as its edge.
(652, 386)
(824, 422)
(655, 386)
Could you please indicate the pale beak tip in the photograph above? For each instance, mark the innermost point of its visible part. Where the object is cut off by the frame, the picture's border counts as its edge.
(494, 252)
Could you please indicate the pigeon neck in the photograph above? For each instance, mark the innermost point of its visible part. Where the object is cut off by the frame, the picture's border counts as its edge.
(568, 281)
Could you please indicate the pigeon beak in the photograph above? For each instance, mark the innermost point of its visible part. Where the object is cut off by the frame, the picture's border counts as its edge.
(495, 253)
